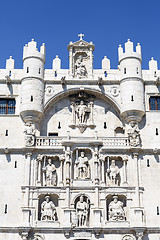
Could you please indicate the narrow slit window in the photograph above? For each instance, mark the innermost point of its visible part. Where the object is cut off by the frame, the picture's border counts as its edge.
(105, 74)
(105, 125)
(27, 69)
(155, 73)
(55, 73)
(15, 164)
(9, 73)
(31, 98)
(39, 71)
(5, 208)
(157, 210)
(6, 134)
(148, 164)
(125, 71)
(132, 99)
(137, 70)
(59, 125)
(156, 131)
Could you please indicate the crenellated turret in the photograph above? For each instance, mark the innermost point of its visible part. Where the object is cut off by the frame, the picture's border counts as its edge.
(32, 82)
(131, 83)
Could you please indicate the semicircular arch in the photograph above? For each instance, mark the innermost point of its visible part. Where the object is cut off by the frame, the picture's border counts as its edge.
(96, 92)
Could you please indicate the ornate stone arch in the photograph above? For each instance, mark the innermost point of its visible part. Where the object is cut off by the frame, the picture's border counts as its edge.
(96, 92)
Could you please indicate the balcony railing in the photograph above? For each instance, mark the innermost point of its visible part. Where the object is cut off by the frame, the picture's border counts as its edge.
(106, 142)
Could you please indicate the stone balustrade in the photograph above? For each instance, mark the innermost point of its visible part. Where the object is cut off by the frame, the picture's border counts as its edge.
(58, 141)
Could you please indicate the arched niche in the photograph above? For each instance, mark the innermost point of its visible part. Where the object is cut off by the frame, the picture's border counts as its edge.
(82, 166)
(81, 212)
(116, 207)
(114, 171)
(53, 198)
(57, 119)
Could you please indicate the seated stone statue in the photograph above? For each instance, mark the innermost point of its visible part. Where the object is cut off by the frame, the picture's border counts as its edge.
(50, 174)
(48, 210)
(82, 167)
(113, 174)
(116, 210)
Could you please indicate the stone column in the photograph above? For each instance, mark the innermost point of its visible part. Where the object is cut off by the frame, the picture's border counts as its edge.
(68, 163)
(102, 158)
(135, 157)
(61, 158)
(39, 175)
(73, 122)
(125, 159)
(91, 113)
(96, 163)
(71, 62)
(27, 177)
(91, 61)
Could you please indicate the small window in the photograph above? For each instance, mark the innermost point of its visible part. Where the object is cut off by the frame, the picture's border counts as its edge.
(7, 106)
(156, 131)
(6, 134)
(124, 70)
(55, 73)
(132, 99)
(148, 164)
(137, 70)
(105, 125)
(9, 73)
(27, 69)
(157, 210)
(31, 98)
(155, 74)
(154, 103)
(59, 125)
(105, 74)
(39, 71)
(15, 164)
(5, 208)
(53, 134)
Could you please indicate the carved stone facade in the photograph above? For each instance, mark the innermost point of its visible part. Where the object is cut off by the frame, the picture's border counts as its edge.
(80, 156)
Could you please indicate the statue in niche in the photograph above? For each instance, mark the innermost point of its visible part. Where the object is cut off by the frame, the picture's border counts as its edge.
(48, 210)
(113, 174)
(82, 112)
(116, 210)
(29, 134)
(82, 167)
(80, 68)
(133, 134)
(50, 173)
(82, 211)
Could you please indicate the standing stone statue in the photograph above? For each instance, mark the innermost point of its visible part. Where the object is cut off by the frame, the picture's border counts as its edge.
(82, 210)
(29, 134)
(48, 210)
(81, 112)
(50, 174)
(116, 211)
(113, 174)
(82, 167)
(133, 134)
(80, 67)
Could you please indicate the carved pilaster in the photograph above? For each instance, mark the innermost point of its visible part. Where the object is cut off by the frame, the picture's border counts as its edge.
(68, 154)
(135, 158)
(125, 159)
(96, 165)
(39, 169)
(61, 158)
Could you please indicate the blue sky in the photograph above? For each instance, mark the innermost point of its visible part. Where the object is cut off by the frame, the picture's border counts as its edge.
(57, 22)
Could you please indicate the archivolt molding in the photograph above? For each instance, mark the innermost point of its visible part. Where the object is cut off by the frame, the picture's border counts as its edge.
(96, 92)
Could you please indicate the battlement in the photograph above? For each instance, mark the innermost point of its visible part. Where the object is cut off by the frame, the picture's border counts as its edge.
(129, 51)
(30, 50)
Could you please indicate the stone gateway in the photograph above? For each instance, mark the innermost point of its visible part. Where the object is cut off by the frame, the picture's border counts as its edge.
(80, 147)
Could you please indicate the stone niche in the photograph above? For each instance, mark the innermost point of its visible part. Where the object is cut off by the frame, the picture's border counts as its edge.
(114, 171)
(82, 164)
(48, 211)
(116, 208)
(81, 59)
